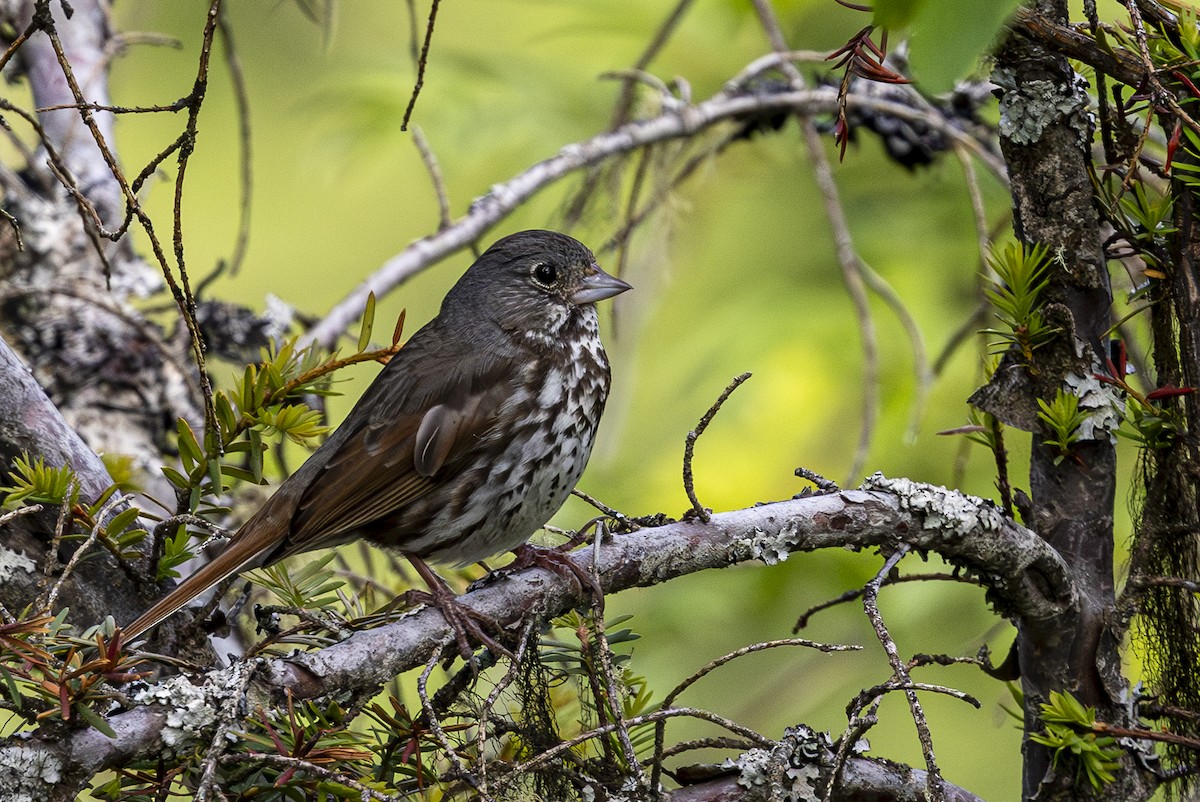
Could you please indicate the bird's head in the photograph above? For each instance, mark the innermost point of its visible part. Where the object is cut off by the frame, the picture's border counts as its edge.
(533, 281)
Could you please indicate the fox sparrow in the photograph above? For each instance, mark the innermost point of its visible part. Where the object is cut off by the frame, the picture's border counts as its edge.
(471, 437)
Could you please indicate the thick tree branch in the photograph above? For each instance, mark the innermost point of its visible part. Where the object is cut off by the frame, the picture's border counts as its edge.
(1024, 578)
(31, 424)
(1045, 135)
(1073, 43)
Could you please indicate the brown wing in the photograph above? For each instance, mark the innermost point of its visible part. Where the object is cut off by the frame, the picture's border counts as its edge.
(415, 418)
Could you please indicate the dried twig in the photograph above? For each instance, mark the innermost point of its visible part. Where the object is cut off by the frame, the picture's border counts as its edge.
(824, 485)
(660, 728)
(422, 61)
(241, 96)
(689, 446)
(658, 715)
(431, 714)
(429, 159)
(871, 606)
(102, 516)
(855, 593)
(32, 509)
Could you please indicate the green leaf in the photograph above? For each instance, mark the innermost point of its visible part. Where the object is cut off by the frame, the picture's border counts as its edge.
(234, 472)
(122, 520)
(14, 692)
(368, 320)
(190, 453)
(91, 717)
(948, 37)
(249, 401)
(176, 478)
(896, 14)
(256, 455)
(225, 415)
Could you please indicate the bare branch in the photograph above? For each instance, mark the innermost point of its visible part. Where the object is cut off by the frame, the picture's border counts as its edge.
(689, 446)
(684, 122)
(900, 671)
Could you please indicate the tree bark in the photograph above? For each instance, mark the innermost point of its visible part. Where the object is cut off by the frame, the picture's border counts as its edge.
(1045, 139)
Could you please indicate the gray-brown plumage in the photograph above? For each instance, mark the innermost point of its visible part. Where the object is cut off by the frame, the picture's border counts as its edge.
(471, 437)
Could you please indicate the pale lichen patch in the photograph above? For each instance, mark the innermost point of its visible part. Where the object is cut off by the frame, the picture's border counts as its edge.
(771, 547)
(790, 771)
(956, 514)
(192, 709)
(1103, 404)
(1028, 108)
(13, 561)
(28, 773)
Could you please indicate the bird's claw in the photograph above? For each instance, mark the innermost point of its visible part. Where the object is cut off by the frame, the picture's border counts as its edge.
(467, 624)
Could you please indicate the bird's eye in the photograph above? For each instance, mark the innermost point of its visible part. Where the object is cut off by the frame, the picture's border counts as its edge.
(544, 274)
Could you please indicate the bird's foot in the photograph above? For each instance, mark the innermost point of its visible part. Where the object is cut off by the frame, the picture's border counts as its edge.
(467, 624)
(556, 559)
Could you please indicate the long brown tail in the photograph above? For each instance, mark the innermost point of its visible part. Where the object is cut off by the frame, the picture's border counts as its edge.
(238, 554)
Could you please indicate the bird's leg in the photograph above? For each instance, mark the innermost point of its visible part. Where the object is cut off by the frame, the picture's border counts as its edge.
(462, 619)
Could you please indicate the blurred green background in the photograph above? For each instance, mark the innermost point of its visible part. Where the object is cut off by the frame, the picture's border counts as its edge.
(738, 275)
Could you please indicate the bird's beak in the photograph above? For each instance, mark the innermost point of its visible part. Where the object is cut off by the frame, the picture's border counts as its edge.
(598, 285)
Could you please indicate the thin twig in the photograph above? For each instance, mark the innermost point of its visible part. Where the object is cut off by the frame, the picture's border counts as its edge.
(429, 159)
(978, 209)
(867, 695)
(241, 97)
(774, 61)
(607, 669)
(422, 61)
(852, 276)
(689, 445)
(102, 516)
(600, 505)
(1147, 735)
(851, 595)
(706, 743)
(966, 332)
(824, 485)
(623, 108)
(11, 515)
(489, 703)
(660, 728)
(435, 726)
(658, 715)
(922, 374)
(856, 728)
(870, 605)
(52, 563)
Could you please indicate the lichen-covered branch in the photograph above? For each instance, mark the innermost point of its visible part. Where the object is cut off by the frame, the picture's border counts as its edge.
(1023, 576)
(800, 763)
(30, 423)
